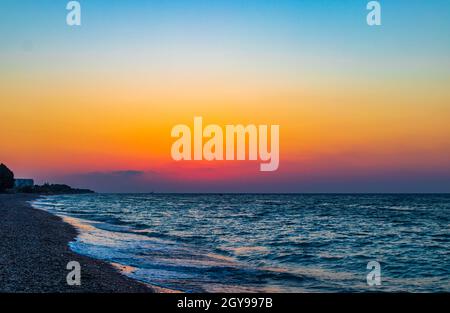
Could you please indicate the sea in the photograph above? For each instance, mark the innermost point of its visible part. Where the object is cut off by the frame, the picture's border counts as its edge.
(266, 242)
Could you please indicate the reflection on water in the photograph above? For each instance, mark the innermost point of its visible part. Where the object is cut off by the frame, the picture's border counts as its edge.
(266, 243)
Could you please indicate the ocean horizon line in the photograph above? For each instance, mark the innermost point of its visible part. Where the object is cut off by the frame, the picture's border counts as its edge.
(278, 193)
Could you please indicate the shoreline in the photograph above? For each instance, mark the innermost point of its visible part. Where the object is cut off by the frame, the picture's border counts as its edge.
(34, 252)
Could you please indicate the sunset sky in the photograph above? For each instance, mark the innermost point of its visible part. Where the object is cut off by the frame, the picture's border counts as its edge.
(360, 109)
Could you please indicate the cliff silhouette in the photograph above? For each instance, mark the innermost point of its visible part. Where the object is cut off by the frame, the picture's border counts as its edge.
(6, 178)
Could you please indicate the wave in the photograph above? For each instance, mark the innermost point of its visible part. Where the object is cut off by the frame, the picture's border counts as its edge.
(258, 243)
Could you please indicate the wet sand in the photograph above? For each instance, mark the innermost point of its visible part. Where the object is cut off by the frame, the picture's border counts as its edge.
(34, 254)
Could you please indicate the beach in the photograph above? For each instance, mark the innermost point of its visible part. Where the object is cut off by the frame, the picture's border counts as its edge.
(224, 243)
(34, 253)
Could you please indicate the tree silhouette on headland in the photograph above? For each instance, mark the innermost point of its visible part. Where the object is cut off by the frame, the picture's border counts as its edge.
(6, 178)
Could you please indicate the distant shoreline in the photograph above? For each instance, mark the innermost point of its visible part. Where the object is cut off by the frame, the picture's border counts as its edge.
(34, 253)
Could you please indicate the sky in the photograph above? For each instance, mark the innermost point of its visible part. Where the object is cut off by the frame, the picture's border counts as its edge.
(360, 108)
